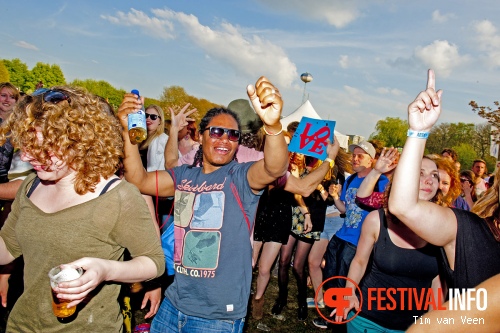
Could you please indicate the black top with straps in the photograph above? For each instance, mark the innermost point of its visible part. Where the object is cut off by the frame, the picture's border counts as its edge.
(396, 267)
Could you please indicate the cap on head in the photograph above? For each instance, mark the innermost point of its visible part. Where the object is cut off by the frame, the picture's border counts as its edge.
(366, 146)
(249, 120)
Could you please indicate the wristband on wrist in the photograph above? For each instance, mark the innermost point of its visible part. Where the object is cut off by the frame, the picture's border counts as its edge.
(329, 160)
(417, 134)
(272, 134)
(306, 213)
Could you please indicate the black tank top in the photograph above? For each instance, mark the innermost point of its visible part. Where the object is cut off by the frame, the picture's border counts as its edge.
(477, 253)
(396, 267)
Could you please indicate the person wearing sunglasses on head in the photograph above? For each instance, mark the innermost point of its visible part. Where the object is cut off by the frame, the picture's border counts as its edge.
(74, 210)
(214, 212)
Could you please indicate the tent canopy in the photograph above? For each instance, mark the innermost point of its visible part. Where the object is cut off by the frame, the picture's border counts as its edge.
(307, 110)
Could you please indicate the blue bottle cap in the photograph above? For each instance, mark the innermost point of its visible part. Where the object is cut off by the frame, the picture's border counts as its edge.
(135, 91)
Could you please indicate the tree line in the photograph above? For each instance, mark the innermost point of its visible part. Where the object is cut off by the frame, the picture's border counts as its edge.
(18, 73)
(469, 140)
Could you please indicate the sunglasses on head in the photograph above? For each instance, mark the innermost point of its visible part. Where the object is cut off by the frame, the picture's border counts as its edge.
(218, 132)
(152, 116)
(51, 96)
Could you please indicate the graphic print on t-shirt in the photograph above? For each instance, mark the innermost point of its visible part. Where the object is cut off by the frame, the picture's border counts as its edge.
(354, 214)
(198, 220)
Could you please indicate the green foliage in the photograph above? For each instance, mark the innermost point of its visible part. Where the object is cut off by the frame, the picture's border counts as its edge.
(20, 75)
(466, 155)
(102, 88)
(490, 114)
(4, 73)
(448, 135)
(176, 98)
(50, 75)
(490, 163)
(391, 132)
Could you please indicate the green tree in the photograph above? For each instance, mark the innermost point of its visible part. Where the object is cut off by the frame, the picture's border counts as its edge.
(50, 75)
(466, 155)
(391, 132)
(20, 75)
(4, 73)
(102, 88)
(449, 135)
(481, 140)
(176, 97)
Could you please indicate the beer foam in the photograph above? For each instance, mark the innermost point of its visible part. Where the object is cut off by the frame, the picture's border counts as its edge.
(67, 274)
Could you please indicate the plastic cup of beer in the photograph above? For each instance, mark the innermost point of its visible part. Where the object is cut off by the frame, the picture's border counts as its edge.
(58, 274)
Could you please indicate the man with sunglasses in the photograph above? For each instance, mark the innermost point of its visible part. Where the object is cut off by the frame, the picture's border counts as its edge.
(213, 253)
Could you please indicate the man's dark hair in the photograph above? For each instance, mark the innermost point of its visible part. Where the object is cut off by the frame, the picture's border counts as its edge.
(292, 127)
(450, 151)
(198, 158)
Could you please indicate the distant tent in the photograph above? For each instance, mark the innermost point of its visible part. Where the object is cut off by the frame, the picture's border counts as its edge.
(307, 110)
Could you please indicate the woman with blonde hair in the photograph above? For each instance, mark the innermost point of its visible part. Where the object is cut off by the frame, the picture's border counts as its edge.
(74, 210)
(152, 149)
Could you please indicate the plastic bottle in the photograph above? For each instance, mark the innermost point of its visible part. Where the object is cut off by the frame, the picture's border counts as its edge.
(137, 124)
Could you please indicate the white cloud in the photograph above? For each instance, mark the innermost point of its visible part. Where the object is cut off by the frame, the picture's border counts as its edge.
(338, 13)
(390, 91)
(489, 41)
(442, 18)
(441, 56)
(344, 61)
(246, 54)
(26, 45)
(154, 26)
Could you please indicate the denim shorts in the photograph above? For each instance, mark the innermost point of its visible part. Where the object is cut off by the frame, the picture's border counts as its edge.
(332, 225)
(169, 319)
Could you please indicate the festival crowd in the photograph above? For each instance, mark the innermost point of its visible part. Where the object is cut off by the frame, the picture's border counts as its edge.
(191, 216)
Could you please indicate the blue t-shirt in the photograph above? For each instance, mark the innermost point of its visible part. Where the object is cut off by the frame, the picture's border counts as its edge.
(213, 253)
(351, 229)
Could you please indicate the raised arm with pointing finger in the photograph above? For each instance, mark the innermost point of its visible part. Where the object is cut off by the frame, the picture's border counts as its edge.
(471, 244)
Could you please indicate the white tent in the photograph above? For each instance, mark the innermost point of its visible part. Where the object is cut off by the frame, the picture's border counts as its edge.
(307, 110)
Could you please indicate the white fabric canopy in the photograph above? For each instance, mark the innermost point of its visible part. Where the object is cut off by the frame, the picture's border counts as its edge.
(307, 110)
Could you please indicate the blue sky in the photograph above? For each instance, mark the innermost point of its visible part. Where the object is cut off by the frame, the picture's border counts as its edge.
(368, 58)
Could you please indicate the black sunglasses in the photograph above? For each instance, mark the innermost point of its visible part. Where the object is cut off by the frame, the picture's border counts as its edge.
(152, 116)
(51, 96)
(462, 180)
(218, 132)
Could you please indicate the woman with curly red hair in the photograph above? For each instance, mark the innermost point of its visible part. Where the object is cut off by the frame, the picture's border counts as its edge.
(74, 210)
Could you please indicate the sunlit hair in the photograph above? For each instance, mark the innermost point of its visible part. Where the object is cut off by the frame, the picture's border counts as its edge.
(297, 159)
(12, 88)
(437, 199)
(80, 132)
(488, 207)
(159, 130)
(343, 162)
(212, 113)
(448, 166)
